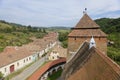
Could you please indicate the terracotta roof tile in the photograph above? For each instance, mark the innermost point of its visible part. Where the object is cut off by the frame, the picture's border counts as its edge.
(62, 51)
(36, 75)
(86, 27)
(86, 22)
(87, 33)
(12, 53)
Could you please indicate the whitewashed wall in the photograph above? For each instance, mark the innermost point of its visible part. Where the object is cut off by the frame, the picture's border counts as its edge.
(17, 65)
(23, 62)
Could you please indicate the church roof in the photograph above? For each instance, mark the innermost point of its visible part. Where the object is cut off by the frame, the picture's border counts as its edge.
(86, 27)
(87, 33)
(86, 22)
(90, 64)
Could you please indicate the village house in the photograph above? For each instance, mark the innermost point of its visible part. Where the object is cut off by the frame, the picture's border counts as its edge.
(57, 52)
(15, 58)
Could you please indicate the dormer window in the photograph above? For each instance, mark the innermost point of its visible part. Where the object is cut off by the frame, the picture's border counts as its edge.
(92, 43)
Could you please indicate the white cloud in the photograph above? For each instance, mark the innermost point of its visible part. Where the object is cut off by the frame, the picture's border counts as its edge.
(55, 12)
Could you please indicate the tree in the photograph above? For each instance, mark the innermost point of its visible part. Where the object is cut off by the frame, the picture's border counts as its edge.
(29, 27)
(118, 28)
(44, 31)
(63, 37)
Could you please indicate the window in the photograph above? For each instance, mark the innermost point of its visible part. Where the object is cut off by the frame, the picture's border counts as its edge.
(75, 38)
(5, 69)
(18, 64)
(29, 58)
(24, 61)
(99, 38)
(53, 57)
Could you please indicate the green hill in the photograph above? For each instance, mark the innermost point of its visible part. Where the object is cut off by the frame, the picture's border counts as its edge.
(109, 25)
(112, 28)
(12, 34)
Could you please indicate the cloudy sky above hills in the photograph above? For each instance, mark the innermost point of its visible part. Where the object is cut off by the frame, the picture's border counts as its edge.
(56, 12)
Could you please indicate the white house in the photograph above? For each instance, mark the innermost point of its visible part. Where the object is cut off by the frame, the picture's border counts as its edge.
(53, 55)
(14, 58)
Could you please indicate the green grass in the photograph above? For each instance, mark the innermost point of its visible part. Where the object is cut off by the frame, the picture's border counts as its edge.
(55, 75)
(114, 53)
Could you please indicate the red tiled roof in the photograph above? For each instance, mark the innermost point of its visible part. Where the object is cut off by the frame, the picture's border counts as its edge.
(62, 51)
(43, 69)
(86, 22)
(12, 53)
(86, 27)
(87, 33)
(9, 57)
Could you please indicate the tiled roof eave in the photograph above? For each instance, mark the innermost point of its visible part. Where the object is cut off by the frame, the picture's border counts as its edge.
(77, 28)
(74, 36)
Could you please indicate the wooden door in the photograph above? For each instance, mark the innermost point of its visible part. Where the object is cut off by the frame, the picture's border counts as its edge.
(11, 68)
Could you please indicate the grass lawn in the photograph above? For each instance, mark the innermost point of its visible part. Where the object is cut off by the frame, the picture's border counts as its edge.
(55, 75)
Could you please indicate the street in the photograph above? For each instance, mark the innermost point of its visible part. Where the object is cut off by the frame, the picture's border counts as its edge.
(28, 71)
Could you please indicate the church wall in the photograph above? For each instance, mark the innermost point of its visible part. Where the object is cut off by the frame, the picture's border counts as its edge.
(74, 44)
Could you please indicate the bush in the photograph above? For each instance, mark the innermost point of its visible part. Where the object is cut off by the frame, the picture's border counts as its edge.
(1, 75)
(39, 35)
(65, 44)
(63, 38)
(114, 53)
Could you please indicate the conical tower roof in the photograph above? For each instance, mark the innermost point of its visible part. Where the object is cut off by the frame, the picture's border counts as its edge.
(86, 22)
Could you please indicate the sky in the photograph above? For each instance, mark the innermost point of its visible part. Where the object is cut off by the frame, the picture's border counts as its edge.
(56, 12)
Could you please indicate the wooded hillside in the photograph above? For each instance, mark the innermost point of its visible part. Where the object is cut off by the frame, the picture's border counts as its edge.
(12, 34)
(112, 28)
